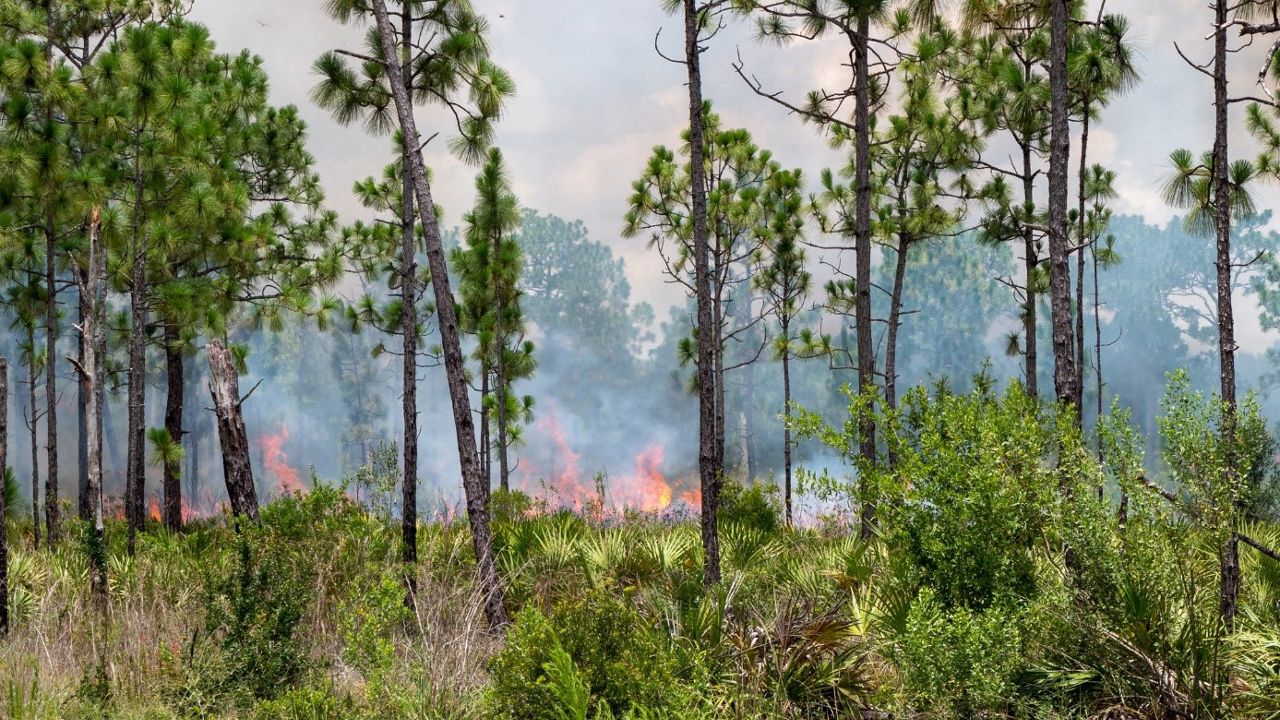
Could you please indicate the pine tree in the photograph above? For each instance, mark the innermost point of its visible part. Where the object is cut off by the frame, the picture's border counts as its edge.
(786, 284)
(489, 270)
(454, 70)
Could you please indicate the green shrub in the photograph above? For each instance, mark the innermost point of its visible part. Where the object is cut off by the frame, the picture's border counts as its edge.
(306, 704)
(622, 661)
(961, 663)
(973, 493)
(254, 612)
(754, 506)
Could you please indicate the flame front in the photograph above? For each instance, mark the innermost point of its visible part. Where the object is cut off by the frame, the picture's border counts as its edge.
(552, 470)
(288, 481)
(647, 490)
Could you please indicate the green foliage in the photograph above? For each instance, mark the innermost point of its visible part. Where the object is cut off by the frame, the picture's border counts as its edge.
(961, 663)
(752, 506)
(619, 661)
(254, 612)
(368, 622)
(305, 704)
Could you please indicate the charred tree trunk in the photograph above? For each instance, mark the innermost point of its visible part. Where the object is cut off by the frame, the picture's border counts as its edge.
(224, 386)
(53, 523)
(176, 381)
(472, 478)
(1230, 551)
(862, 274)
(1031, 260)
(135, 472)
(708, 471)
(4, 510)
(92, 349)
(33, 375)
(1064, 371)
(408, 331)
(82, 428)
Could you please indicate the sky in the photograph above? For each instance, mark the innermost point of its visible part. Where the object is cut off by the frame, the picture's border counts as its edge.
(594, 97)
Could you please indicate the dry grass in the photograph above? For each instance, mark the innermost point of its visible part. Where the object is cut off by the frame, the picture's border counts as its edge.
(155, 627)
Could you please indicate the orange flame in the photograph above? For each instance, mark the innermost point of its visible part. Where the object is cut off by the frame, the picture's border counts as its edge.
(288, 481)
(556, 471)
(153, 510)
(647, 490)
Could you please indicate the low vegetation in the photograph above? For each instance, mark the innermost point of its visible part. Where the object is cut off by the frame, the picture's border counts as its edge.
(999, 584)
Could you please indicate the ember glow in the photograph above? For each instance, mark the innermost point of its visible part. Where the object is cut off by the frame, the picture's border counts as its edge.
(552, 471)
(288, 482)
(647, 490)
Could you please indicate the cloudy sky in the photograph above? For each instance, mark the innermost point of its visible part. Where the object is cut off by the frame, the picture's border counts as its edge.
(594, 98)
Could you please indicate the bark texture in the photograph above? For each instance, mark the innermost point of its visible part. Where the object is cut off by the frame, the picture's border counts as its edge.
(446, 313)
(408, 330)
(1065, 379)
(709, 473)
(1230, 552)
(53, 523)
(862, 272)
(4, 511)
(176, 381)
(224, 386)
(92, 349)
(135, 472)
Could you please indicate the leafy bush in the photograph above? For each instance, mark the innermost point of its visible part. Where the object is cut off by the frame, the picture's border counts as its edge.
(973, 493)
(621, 660)
(306, 704)
(254, 612)
(752, 507)
(961, 663)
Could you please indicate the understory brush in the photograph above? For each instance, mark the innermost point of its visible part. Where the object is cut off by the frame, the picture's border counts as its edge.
(1011, 574)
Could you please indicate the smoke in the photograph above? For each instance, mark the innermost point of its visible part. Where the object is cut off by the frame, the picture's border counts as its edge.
(612, 413)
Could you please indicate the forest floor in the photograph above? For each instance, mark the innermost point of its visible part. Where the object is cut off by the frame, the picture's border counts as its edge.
(304, 618)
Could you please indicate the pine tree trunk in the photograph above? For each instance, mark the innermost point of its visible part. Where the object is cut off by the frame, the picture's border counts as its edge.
(1083, 241)
(1064, 371)
(192, 492)
(93, 346)
(786, 414)
(472, 479)
(748, 382)
(718, 323)
(176, 381)
(708, 471)
(891, 337)
(135, 471)
(53, 524)
(4, 510)
(82, 429)
(504, 469)
(486, 445)
(862, 274)
(1097, 364)
(1031, 260)
(1230, 552)
(34, 376)
(224, 386)
(409, 333)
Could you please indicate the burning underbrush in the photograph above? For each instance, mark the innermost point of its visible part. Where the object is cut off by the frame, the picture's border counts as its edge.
(552, 473)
